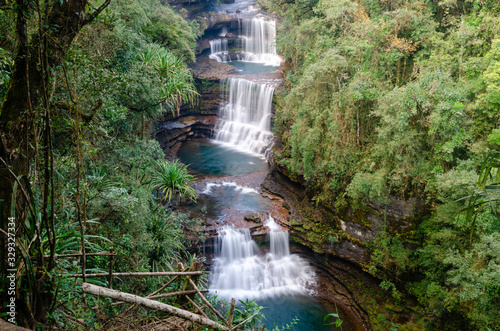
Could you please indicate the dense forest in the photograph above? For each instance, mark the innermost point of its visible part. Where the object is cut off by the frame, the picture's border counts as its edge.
(402, 99)
(382, 99)
(80, 167)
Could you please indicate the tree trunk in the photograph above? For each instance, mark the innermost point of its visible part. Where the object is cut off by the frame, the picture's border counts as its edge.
(28, 79)
(37, 56)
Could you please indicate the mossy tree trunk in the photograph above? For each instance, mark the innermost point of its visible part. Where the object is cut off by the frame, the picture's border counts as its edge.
(44, 33)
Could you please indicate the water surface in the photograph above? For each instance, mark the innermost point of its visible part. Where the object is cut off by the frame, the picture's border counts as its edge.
(217, 200)
(308, 312)
(211, 158)
(251, 68)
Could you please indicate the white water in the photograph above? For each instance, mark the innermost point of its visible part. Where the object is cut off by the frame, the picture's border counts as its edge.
(238, 188)
(258, 37)
(223, 32)
(240, 273)
(245, 118)
(218, 50)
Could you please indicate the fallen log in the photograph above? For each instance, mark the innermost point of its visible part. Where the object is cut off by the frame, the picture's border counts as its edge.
(134, 299)
(165, 295)
(206, 302)
(179, 266)
(139, 274)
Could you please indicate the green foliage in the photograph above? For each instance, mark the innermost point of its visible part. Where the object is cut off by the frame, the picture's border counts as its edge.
(367, 187)
(5, 70)
(172, 179)
(250, 311)
(459, 267)
(398, 98)
(421, 128)
(488, 99)
(167, 28)
(336, 319)
(487, 194)
(121, 72)
(176, 82)
(390, 257)
(454, 184)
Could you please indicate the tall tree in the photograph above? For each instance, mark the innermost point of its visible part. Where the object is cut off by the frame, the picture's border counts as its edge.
(44, 33)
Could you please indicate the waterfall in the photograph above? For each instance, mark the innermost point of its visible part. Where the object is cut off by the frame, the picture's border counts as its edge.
(279, 239)
(239, 272)
(218, 50)
(245, 117)
(258, 41)
(257, 37)
(223, 32)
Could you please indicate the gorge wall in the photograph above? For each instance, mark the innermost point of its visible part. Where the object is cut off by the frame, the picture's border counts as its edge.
(335, 240)
(344, 233)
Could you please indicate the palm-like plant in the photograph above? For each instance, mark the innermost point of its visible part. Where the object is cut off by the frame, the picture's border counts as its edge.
(172, 179)
(166, 62)
(178, 89)
(177, 82)
(487, 193)
(148, 55)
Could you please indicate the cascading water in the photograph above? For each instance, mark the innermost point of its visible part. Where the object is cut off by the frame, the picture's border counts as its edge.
(258, 37)
(223, 32)
(245, 119)
(218, 50)
(240, 273)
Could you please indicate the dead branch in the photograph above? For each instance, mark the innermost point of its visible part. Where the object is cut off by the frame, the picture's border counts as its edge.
(165, 295)
(179, 266)
(134, 299)
(231, 312)
(205, 301)
(139, 274)
(196, 306)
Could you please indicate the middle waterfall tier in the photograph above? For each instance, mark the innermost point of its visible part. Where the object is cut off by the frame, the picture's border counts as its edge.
(245, 117)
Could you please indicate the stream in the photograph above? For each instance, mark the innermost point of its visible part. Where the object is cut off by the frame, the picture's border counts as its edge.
(249, 251)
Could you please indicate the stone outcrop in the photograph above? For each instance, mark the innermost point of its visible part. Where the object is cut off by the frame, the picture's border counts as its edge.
(203, 18)
(344, 233)
(198, 120)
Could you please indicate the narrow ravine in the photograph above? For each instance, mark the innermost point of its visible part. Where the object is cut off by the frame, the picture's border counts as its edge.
(248, 243)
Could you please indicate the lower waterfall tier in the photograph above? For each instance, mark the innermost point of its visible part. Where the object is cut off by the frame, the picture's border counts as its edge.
(240, 272)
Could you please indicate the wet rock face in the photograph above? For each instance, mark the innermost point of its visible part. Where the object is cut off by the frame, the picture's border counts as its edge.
(344, 234)
(172, 134)
(343, 284)
(198, 120)
(198, 11)
(255, 218)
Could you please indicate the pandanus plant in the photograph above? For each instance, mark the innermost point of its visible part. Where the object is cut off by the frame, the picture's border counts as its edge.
(177, 90)
(148, 55)
(487, 193)
(172, 179)
(177, 83)
(166, 62)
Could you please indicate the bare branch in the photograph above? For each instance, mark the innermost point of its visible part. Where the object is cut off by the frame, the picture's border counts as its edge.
(92, 16)
(134, 299)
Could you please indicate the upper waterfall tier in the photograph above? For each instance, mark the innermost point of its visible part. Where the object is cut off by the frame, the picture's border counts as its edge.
(245, 117)
(258, 37)
(239, 272)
